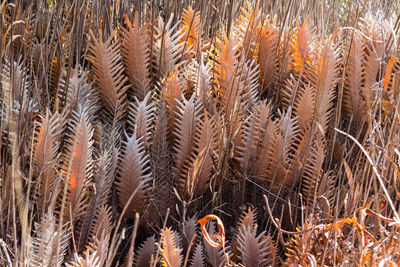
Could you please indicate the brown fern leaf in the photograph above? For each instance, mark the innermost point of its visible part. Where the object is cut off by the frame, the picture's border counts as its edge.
(141, 115)
(324, 79)
(224, 68)
(253, 130)
(312, 173)
(215, 256)
(188, 229)
(108, 70)
(247, 219)
(174, 89)
(268, 56)
(171, 252)
(77, 166)
(250, 83)
(100, 234)
(161, 160)
(134, 174)
(103, 177)
(167, 48)
(135, 48)
(44, 243)
(146, 251)
(255, 250)
(248, 27)
(304, 107)
(251, 249)
(197, 259)
(300, 40)
(75, 91)
(191, 28)
(186, 124)
(195, 183)
(47, 142)
(374, 49)
(202, 87)
(275, 164)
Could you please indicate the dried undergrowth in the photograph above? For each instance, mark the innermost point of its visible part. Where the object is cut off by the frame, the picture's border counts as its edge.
(199, 133)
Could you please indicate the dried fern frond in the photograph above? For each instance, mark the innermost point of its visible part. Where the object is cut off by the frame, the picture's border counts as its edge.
(202, 159)
(186, 124)
(146, 251)
(248, 29)
(44, 243)
(134, 174)
(141, 115)
(47, 142)
(171, 251)
(161, 160)
(104, 174)
(108, 70)
(77, 165)
(268, 57)
(197, 259)
(304, 107)
(300, 40)
(167, 48)
(253, 130)
(191, 29)
(76, 91)
(135, 46)
(253, 249)
(312, 172)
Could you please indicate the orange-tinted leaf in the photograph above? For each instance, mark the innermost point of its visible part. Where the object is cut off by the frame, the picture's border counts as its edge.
(220, 236)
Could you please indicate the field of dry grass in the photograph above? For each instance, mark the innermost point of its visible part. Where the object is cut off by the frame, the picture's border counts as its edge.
(199, 133)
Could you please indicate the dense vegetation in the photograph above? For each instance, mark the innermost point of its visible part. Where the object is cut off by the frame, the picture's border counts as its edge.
(199, 133)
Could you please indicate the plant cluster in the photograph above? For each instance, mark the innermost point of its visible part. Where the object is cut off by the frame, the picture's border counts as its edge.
(150, 133)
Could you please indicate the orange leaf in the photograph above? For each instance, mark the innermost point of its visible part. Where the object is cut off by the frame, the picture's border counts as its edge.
(220, 236)
(388, 70)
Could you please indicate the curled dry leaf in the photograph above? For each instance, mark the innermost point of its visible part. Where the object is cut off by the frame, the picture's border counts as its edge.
(220, 236)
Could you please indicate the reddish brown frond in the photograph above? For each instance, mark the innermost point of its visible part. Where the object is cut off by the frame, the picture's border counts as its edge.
(312, 172)
(248, 27)
(135, 46)
(201, 161)
(268, 57)
(304, 107)
(141, 115)
(191, 28)
(324, 81)
(185, 126)
(146, 250)
(104, 174)
(75, 91)
(44, 243)
(253, 130)
(198, 257)
(47, 142)
(77, 166)
(167, 48)
(108, 70)
(134, 174)
(354, 103)
(171, 252)
(300, 40)
(161, 160)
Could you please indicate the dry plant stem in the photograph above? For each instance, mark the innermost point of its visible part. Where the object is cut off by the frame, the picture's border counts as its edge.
(188, 250)
(158, 246)
(5, 252)
(131, 254)
(375, 171)
(114, 243)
